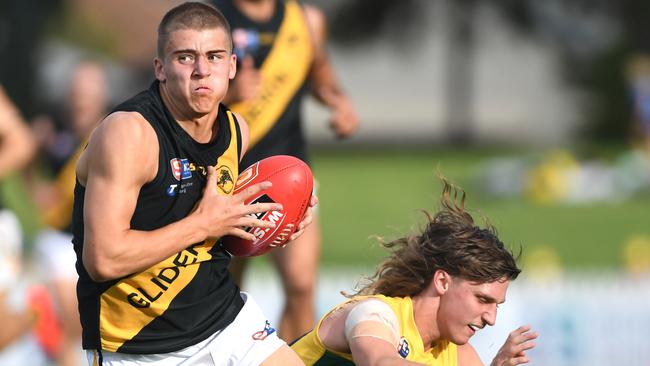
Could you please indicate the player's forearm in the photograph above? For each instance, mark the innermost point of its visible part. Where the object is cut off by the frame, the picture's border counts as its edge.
(324, 85)
(121, 253)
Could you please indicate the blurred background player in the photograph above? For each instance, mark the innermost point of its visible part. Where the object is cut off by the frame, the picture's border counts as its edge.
(638, 82)
(281, 53)
(61, 140)
(425, 301)
(20, 310)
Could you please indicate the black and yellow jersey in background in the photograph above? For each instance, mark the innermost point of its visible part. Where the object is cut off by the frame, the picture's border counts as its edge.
(189, 296)
(282, 49)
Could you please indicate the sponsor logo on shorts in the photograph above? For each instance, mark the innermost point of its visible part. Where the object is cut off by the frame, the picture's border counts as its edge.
(403, 348)
(262, 334)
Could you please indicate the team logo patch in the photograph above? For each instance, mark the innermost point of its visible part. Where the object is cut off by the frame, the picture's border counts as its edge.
(180, 168)
(224, 179)
(262, 334)
(403, 349)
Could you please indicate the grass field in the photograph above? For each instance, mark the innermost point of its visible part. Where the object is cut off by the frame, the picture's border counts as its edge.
(378, 192)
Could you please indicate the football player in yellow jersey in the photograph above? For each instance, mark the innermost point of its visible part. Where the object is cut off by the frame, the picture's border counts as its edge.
(425, 301)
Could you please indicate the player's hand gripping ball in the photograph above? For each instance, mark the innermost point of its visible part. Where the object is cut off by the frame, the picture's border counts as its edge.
(292, 187)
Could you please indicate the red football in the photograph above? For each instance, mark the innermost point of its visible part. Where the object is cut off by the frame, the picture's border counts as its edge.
(292, 187)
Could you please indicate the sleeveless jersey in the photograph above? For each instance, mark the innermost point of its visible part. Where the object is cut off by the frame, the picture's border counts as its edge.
(312, 351)
(189, 296)
(282, 50)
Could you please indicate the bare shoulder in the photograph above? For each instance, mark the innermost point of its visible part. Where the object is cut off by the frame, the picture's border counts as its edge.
(467, 355)
(332, 329)
(316, 21)
(314, 15)
(122, 139)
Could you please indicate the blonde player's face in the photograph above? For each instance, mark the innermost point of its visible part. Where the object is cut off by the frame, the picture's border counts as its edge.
(467, 307)
(196, 69)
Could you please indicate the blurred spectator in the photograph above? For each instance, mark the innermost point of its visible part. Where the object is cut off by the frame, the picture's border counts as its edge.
(638, 78)
(19, 312)
(61, 141)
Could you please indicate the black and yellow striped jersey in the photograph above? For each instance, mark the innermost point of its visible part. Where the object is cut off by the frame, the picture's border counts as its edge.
(282, 49)
(189, 296)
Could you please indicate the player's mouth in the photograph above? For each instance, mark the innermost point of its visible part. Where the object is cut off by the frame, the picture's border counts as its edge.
(202, 90)
(474, 328)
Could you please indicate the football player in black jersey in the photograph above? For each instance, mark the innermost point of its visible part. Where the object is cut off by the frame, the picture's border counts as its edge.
(149, 215)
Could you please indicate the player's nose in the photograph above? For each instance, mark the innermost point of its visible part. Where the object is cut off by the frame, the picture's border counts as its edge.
(490, 315)
(201, 66)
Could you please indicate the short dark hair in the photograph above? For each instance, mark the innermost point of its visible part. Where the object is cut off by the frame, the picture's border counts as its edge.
(450, 242)
(191, 15)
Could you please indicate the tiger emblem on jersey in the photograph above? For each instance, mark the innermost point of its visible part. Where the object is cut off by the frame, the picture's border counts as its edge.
(225, 181)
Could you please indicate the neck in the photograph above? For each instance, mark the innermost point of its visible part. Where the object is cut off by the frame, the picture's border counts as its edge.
(425, 315)
(257, 10)
(201, 127)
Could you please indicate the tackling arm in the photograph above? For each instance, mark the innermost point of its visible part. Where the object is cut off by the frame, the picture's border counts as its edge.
(369, 330)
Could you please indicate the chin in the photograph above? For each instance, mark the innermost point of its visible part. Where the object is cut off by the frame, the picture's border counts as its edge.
(205, 107)
(460, 340)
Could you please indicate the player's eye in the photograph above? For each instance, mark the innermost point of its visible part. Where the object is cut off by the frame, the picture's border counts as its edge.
(185, 59)
(215, 57)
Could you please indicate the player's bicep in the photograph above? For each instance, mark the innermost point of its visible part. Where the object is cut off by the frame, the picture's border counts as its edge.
(118, 161)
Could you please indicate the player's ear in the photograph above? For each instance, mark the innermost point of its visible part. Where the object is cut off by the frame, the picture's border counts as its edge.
(441, 281)
(158, 69)
(233, 66)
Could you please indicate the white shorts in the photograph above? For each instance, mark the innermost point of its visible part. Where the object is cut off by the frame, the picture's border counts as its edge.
(247, 341)
(55, 255)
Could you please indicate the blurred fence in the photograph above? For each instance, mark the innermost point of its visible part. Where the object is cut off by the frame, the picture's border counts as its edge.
(590, 319)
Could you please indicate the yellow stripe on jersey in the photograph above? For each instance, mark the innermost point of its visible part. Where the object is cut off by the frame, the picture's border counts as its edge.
(132, 303)
(283, 73)
(59, 216)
